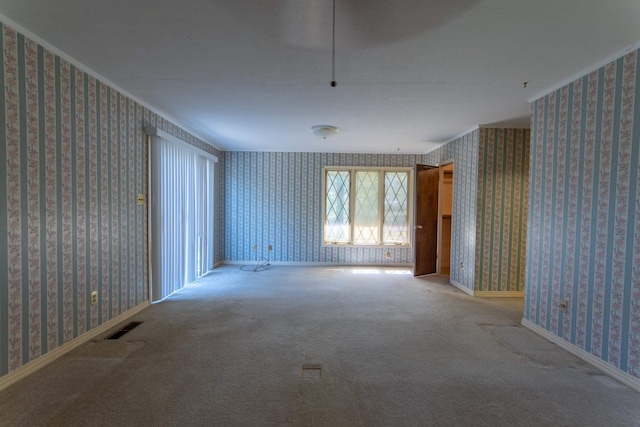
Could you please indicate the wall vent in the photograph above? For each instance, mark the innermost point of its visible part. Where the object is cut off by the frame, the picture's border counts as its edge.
(311, 371)
(123, 330)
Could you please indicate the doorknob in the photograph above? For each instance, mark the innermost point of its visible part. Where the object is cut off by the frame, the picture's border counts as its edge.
(415, 227)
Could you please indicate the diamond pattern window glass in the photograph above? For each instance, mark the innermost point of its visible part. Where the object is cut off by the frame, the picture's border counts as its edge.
(337, 225)
(367, 206)
(366, 229)
(395, 226)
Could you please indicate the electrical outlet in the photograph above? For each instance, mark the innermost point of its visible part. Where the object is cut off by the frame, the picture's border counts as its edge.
(94, 297)
(255, 248)
(462, 266)
(270, 247)
(564, 305)
(388, 255)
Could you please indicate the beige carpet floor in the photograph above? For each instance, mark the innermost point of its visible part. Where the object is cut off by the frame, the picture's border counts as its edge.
(314, 346)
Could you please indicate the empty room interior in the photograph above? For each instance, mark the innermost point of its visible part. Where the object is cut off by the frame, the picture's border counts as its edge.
(329, 212)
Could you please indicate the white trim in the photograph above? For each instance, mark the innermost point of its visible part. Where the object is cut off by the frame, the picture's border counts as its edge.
(439, 253)
(618, 374)
(462, 287)
(39, 40)
(499, 294)
(460, 135)
(374, 168)
(381, 170)
(502, 127)
(44, 360)
(356, 245)
(149, 223)
(154, 131)
(446, 162)
(319, 264)
(594, 67)
(167, 296)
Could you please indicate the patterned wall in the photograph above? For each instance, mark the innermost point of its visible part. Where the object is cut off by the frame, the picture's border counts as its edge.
(503, 185)
(490, 207)
(464, 152)
(72, 160)
(584, 214)
(276, 198)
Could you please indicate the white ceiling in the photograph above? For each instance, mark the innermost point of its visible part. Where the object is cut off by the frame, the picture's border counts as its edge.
(411, 74)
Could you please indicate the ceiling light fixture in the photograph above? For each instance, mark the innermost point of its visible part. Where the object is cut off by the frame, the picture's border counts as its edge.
(324, 131)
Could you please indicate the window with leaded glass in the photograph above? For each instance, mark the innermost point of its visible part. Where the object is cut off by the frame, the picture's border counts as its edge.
(338, 185)
(367, 206)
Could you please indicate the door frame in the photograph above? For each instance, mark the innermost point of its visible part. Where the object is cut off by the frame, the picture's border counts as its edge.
(440, 196)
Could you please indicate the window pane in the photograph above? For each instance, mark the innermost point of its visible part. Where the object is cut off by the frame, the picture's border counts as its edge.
(396, 190)
(367, 218)
(336, 227)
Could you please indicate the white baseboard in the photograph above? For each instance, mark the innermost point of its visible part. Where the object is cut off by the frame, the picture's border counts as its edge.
(499, 294)
(45, 359)
(321, 264)
(620, 375)
(462, 288)
(487, 294)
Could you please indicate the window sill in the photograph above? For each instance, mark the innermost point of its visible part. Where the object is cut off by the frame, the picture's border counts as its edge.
(350, 245)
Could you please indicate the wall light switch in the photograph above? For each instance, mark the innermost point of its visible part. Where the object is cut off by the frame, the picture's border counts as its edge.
(141, 199)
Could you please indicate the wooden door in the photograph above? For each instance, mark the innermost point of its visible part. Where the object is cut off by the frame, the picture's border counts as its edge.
(426, 220)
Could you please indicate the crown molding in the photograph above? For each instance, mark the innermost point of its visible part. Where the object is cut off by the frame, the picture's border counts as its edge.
(586, 71)
(79, 65)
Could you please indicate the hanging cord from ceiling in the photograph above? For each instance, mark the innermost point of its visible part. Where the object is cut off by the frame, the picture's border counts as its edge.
(333, 48)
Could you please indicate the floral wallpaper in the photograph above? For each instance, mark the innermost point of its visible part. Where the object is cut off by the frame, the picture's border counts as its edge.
(584, 213)
(503, 186)
(276, 199)
(73, 158)
(490, 207)
(464, 152)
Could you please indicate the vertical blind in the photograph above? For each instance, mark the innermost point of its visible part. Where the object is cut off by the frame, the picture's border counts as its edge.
(182, 216)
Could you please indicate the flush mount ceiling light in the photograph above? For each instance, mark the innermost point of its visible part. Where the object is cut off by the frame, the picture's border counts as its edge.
(324, 131)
